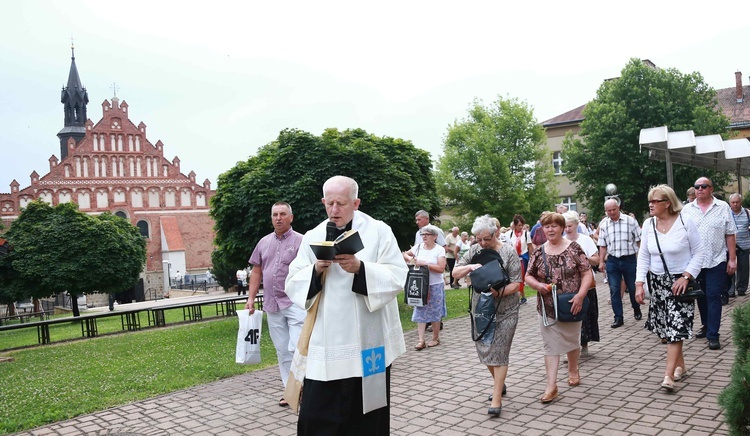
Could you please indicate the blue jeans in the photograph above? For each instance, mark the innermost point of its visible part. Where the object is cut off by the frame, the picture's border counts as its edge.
(619, 268)
(712, 280)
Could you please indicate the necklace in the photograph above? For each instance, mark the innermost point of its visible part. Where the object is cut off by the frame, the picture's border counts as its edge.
(663, 226)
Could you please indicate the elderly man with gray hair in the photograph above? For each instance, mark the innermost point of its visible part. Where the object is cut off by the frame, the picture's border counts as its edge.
(451, 251)
(738, 281)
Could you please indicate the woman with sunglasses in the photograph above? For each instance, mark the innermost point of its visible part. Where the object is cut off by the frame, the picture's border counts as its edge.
(679, 249)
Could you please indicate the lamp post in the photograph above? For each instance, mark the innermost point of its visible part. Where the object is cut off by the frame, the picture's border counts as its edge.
(611, 190)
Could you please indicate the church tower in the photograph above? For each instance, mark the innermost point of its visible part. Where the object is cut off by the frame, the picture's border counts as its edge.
(74, 99)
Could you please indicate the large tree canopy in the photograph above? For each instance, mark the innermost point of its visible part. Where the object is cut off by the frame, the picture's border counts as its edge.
(495, 162)
(395, 180)
(608, 150)
(60, 249)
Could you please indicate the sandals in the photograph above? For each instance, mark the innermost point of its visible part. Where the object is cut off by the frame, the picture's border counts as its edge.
(668, 384)
(679, 373)
(548, 397)
(283, 403)
(574, 380)
(420, 346)
(433, 342)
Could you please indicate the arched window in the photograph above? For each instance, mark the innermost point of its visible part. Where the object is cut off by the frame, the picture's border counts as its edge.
(143, 228)
(121, 214)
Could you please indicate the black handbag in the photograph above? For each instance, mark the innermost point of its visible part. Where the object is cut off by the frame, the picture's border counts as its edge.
(488, 276)
(562, 304)
(483, 314)
(693, 289)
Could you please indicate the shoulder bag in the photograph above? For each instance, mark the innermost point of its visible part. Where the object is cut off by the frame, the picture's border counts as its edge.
(563, 305)
(693, 289)
(491, 275)
(417, 286)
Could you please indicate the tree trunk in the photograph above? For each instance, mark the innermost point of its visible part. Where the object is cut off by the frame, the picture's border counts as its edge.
(37, 305)
(11, 309)
(74, 304)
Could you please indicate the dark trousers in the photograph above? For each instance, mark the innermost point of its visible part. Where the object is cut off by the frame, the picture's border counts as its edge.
(335, 408)
(713, 281)
(621, 268)
(738, 280)
(451, 263)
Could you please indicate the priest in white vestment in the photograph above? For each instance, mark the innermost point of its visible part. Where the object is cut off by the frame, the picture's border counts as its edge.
(357, 332)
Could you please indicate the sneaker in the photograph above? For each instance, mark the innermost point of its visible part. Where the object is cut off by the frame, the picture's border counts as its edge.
(724, 300)
(605, 280)
(714, 344)
(523, 301)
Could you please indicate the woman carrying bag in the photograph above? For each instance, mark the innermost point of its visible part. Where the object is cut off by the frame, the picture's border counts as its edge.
(431, 255)
(670, 255)
(493, 348)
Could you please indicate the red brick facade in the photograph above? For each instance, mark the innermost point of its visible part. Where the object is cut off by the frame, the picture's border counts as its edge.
(116, 168)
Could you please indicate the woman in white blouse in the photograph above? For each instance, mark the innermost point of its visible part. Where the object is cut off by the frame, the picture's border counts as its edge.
(681, 247)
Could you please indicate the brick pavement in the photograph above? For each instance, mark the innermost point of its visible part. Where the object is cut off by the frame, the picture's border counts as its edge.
(443, 391)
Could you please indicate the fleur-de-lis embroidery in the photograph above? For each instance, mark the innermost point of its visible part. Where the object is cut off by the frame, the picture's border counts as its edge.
(372, 359)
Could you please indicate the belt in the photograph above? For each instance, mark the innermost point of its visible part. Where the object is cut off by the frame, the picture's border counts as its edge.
(627, 256)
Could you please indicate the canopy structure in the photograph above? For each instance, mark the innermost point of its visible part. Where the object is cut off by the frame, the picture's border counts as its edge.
(684, 148)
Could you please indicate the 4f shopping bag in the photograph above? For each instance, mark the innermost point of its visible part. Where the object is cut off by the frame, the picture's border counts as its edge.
(248, 337)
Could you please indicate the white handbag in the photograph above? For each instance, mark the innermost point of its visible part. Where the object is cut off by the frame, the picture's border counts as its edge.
(248, 337)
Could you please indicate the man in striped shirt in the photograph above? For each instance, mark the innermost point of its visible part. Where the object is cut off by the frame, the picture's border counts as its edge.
(620, 236)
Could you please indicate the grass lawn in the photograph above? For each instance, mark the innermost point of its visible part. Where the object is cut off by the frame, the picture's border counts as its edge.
(60, 381)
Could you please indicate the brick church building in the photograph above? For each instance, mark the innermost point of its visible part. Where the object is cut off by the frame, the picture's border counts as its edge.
(111, 166)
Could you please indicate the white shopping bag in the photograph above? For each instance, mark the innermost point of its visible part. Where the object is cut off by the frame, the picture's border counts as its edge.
(248, 337)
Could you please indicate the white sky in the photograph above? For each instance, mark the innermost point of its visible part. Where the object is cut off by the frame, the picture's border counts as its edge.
(216, 80)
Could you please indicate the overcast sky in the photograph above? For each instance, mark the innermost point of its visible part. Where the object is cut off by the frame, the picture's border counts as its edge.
(216, 80)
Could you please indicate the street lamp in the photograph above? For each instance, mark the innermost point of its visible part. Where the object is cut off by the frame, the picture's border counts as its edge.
(611, 190)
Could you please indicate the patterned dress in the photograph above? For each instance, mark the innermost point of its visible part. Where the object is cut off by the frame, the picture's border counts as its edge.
(566, 271)
(494, 347)
(668, 318)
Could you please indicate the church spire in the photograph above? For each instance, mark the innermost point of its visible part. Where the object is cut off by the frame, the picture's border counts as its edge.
(74, 99)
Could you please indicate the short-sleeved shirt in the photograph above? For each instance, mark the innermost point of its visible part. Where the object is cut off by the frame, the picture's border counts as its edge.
(713, 227)
(450, 245)
(274, 254)
(432, 257)
(418, 238)
(742, 222)
(621, 236)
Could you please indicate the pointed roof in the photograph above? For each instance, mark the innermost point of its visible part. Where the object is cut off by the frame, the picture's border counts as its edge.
(74, 89)
(573, 116)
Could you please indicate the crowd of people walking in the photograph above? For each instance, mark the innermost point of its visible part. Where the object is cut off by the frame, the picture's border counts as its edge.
(685, 254)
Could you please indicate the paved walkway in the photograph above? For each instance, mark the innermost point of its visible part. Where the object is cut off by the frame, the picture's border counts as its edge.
(443, 391)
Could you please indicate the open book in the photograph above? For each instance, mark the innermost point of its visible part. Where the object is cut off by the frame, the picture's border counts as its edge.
(347, 243)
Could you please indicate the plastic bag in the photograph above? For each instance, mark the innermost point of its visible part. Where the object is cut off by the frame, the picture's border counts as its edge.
(248, 337)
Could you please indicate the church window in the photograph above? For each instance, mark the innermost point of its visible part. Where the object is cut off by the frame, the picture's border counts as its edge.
(84, 200)
(200, 199)
(137, 143)
(121, 214)
(130, 142)
(114, 167)
(46, 197)
(104, 166)
(153, 198)
(122, 166)
(113, 143)
(143, 228)
(156, 168)
(166, 170)
(169, 198)
(85, 166)
(102, 199)
(24, 201)
(136, 198)
(7, 207)
(138, 167)
(185, 197)
(63, 197)
(67, 171)
(119, 143)
(96, 142)
(119, 196)
(78, 166)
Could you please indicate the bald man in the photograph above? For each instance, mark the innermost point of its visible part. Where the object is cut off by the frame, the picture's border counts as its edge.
(620, 236)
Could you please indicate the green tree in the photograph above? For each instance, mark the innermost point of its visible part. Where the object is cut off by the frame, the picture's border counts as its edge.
(395, 180)
(495, 162)
(608, 149)
(60, 249)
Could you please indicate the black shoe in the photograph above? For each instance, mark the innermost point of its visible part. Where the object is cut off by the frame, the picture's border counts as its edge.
(702, 332)
(618, 323)
(724, 300)
(713, 344)
(741, 294)
(637, 313)
(732, 295)
(505, 389)
(495, 411)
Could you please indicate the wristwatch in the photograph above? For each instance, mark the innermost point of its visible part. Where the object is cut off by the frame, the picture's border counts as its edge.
(686, 277)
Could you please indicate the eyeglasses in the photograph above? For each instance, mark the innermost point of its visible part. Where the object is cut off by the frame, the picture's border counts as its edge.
(703, 186)
(656, 201)
(427, 234)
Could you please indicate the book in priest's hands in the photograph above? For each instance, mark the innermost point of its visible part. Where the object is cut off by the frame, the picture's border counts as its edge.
(347, 243)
